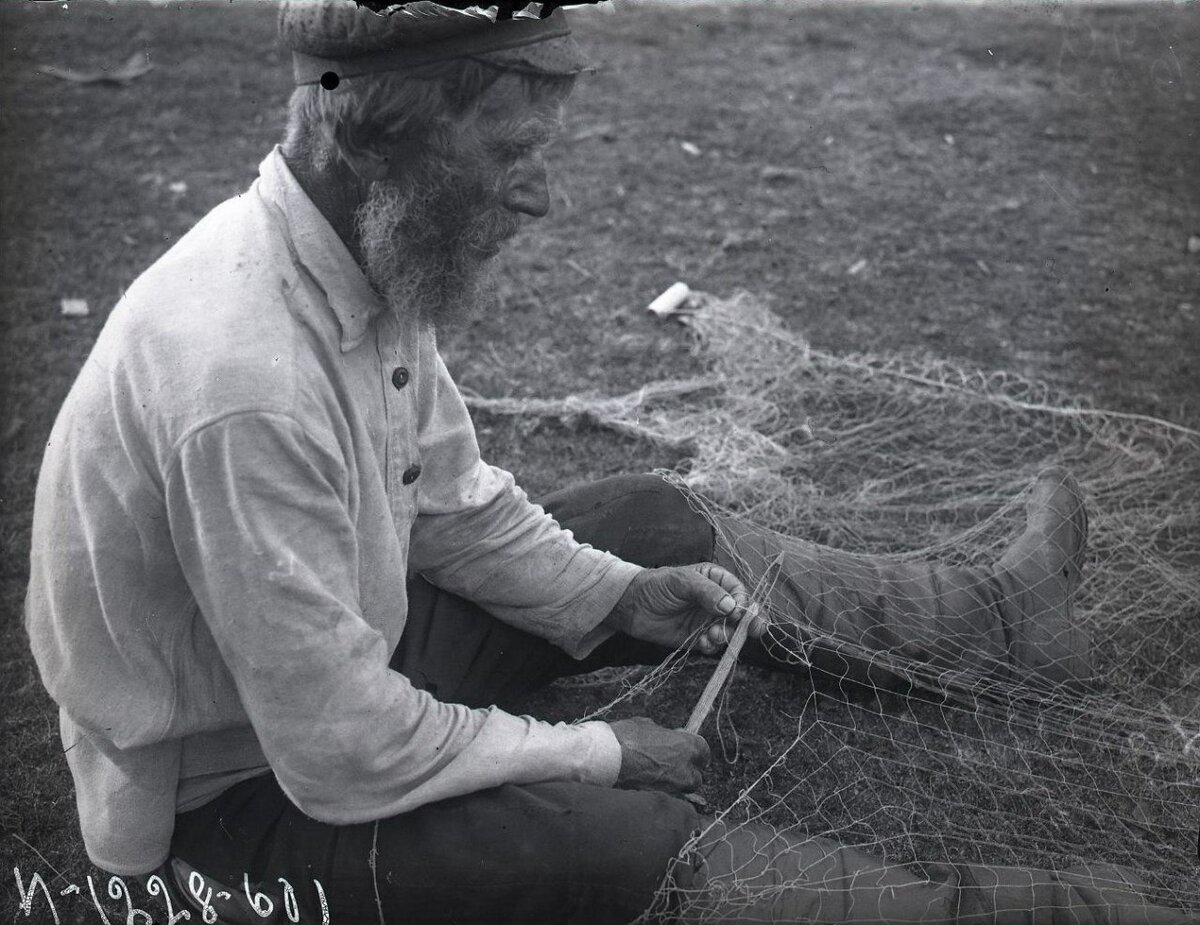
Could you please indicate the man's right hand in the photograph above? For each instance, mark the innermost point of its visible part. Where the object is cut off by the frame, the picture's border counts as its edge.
(656, 758)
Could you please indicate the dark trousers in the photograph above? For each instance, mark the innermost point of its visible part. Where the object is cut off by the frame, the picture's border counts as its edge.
(552, 852)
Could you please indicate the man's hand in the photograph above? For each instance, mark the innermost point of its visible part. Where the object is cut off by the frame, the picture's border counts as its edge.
(667, 605)
(656, 758)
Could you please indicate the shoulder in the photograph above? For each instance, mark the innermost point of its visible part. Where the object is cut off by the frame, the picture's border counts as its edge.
(221, 322)
(228, 278)
(224, 322)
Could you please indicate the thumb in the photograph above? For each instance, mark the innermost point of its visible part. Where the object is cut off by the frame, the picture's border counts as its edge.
(706, 595)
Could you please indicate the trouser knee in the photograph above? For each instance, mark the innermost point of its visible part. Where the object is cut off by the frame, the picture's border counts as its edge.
(641, 518)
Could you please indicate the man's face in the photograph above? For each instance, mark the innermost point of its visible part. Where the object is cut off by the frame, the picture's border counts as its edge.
(430, 231)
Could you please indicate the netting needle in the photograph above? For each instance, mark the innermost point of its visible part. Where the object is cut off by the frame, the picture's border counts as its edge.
(734, 647)
(721, 674)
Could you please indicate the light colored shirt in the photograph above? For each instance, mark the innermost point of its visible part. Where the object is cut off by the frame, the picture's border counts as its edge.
(231, 500)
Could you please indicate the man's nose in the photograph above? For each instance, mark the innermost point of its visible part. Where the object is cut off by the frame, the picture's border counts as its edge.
(526, 190)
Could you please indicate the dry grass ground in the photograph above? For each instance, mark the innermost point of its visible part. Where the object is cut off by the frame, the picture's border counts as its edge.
(1021, 185)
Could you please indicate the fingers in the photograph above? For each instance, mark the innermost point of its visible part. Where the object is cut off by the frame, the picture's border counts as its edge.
(735, 598)
(703, 602)
(705, 645)
(703, 752)
(734, 588)
(716, 636)
(759, 627)
(715, 591)
(698, 755)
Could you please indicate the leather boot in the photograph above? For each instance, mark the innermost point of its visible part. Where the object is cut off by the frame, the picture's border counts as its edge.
(839, 611)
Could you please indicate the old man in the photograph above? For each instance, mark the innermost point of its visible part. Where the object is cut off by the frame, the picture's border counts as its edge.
(281, 601)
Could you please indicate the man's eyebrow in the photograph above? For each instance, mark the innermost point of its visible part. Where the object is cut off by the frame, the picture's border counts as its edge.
(529, 134)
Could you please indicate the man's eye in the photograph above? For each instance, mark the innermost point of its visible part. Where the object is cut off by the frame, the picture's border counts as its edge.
(522, 146)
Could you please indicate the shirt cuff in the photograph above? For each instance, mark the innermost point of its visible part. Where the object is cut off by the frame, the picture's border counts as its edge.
(606, 753)
(588, 629)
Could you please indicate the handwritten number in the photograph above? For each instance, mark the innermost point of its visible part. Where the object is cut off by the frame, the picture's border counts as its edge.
(118, 890)
(200, 892)
(156, 887)
(27, 896)
(289, 902)
(95, 902)
(259, 902)
(324, 902)
(196, 888)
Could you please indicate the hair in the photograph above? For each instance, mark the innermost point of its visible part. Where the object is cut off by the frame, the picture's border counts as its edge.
(393, 106)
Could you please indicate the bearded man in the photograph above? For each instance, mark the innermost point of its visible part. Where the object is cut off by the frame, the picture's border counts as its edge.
(278, 596)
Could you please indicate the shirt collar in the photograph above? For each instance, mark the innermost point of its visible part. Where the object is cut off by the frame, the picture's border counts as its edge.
(319, 249)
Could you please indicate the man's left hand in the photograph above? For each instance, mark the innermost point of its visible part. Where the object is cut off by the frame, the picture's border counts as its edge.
(667, 605)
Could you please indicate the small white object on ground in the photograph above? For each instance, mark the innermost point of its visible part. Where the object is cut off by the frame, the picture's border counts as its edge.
(857, 267)
(74, 308)
(669, 302)
(1194, 244)
(690, 148)
(179, 187)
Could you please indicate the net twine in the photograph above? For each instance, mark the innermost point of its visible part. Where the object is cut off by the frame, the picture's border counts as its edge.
(918, 457)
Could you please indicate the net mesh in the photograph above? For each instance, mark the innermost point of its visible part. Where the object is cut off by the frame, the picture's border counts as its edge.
(885, 509)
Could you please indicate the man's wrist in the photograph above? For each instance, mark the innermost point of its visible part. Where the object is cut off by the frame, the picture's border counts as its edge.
(621, 617)
(607, 755)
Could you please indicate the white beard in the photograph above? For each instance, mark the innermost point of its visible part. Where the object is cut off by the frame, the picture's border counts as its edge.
(427, 246)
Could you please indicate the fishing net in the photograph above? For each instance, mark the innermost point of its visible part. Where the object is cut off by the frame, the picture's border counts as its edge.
(934, 756)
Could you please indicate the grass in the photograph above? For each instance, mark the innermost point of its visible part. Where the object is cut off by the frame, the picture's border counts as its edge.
(1022, 185)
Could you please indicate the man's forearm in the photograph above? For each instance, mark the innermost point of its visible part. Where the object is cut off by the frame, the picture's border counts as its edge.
(514, 560)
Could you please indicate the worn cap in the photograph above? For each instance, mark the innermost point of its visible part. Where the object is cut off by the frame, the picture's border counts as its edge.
(349, 40)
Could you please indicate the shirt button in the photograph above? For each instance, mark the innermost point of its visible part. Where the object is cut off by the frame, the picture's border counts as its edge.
(411, 474)
(399, 377)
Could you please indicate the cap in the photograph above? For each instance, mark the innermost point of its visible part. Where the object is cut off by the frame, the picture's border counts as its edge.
(350, 40)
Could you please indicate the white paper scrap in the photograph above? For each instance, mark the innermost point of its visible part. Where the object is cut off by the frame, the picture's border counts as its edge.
(670, 301)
